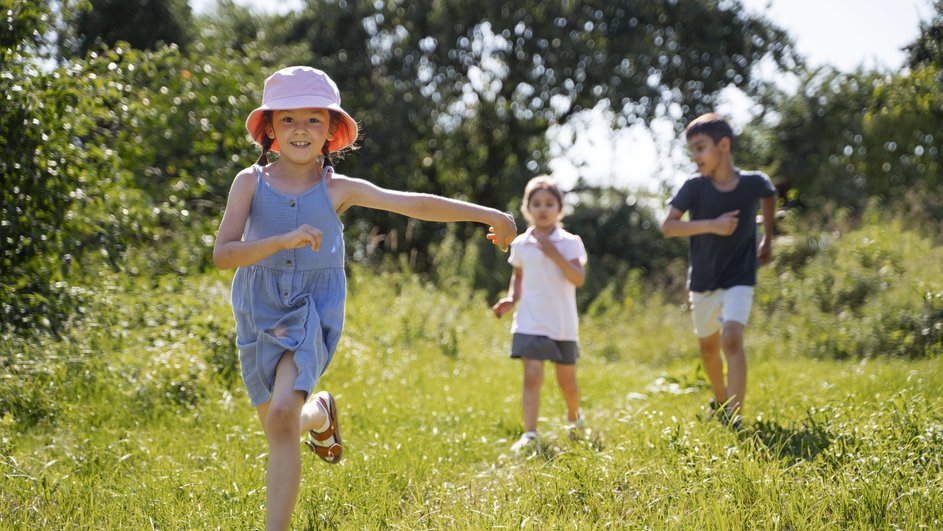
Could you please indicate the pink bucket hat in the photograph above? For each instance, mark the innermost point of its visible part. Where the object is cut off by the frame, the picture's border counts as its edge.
(301, 87)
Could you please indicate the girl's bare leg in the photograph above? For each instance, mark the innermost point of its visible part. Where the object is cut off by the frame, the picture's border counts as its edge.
(281, 421)
(566, 378)
(533, 379)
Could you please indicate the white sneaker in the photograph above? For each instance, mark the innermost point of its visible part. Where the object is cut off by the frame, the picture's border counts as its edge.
(527, 440)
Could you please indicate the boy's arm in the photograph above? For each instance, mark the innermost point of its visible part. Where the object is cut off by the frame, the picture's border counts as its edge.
(347, 192)
(506, 304)
(722, 225)
(765, 253)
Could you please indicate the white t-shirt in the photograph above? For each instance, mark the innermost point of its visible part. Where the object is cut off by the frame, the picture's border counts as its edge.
(547, 306)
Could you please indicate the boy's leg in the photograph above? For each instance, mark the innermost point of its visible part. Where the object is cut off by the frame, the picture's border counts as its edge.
(566, 378)
(713, 365)
(533, 379)
(732, 342)
(706, 308)
(281, 420)
(738, 301)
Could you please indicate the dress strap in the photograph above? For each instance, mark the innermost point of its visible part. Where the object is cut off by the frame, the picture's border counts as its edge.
(325, 172)
(260, 176)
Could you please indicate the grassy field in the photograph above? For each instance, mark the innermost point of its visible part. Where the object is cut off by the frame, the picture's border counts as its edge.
(137, 420)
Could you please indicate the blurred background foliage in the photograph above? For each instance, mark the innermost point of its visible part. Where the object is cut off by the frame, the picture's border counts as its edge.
(122, 127)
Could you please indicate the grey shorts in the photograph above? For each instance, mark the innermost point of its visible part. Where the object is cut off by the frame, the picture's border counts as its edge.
(544, 348)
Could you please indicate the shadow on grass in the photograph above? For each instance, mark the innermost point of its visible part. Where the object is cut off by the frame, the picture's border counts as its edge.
(804, 443)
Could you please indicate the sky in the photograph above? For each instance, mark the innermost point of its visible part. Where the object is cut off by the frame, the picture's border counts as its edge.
(842, 33)
(848, 33)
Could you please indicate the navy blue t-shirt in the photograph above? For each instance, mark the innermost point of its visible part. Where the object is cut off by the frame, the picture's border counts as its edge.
(722, 262)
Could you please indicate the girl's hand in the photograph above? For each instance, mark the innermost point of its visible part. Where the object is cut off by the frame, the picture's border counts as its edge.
(546, 246)
(304, 235)
(503, 232)
(503, 306)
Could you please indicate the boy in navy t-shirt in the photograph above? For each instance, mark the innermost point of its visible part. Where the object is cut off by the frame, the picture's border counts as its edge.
(721, 201)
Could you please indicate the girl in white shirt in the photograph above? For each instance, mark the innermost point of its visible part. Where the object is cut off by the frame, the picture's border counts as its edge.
(546, 326)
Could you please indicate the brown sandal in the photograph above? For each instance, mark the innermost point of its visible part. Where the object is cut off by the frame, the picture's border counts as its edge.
(327, 444)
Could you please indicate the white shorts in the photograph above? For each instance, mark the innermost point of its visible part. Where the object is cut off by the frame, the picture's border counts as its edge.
(711, 309)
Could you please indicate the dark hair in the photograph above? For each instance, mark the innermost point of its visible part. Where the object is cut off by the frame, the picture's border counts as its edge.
(337, 122)
(266, 141)
(711, 124)
(541, 182)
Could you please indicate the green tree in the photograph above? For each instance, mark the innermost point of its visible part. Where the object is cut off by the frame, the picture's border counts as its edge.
(127, 149)
(844, 138)
(927, 49)
(44, 172)
(144, 24)
(456, 97)
(620, 232)
(124, 149)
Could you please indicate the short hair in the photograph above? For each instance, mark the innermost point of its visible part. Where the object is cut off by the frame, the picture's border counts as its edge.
(541, 182)
(711, 124)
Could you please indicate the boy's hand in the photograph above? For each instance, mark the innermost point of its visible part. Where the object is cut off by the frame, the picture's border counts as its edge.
(503, 232)
(764, 254)
(303, 236)
(503, 306)
(726, 223)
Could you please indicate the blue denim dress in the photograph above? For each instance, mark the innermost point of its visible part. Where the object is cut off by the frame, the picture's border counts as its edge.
(294, 299)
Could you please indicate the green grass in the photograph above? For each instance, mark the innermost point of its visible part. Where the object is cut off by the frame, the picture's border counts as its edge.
(137, 420)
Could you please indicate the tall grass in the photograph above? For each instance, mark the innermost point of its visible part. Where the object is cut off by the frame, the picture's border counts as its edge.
(136, 418)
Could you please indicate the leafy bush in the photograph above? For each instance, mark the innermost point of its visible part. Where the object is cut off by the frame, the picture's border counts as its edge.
(870, 291)
(145, 347)
(122, 149)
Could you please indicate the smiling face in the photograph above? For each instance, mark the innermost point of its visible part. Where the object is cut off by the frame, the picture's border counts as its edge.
(707, 154)
(544, 209)
(301, 133)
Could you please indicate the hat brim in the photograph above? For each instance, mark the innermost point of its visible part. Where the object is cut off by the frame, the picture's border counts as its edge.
(345, 133)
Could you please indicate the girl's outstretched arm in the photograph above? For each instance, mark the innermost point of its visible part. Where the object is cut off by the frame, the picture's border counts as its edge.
(230, 251)
(347, 192)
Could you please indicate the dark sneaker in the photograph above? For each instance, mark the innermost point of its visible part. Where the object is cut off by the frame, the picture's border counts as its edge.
(731, 418)
(713, 406)
(725, 415)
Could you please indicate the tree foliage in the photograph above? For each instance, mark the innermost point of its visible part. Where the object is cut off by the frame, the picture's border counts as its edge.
(927, 49)
(456, 97)
(844, 138)
(621, 235)
(126, 149)
(38, 168)
(143, 24)
(133, 146)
